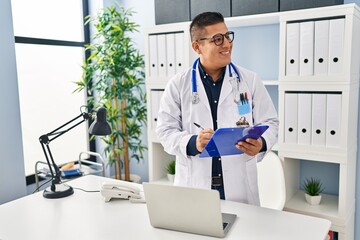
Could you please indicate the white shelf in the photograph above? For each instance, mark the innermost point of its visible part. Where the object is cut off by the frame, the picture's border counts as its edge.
(271, 82)
(328, 208)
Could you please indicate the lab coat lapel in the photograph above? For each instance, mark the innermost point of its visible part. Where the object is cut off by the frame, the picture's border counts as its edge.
(226, 87)
(201, 91)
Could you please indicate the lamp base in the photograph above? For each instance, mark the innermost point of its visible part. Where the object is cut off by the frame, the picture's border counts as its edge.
(61, 191)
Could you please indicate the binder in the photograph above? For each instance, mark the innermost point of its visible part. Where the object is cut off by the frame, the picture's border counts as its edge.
(153, 56)
(170, 54)
(161, 47)
(292, 49)
(321, 47)
(155, 96)
(333, 120)
(336, 45)
(318, 124)
(291, 118)
(304, 118)
(223, 140)
(179, 52)
(307, 48)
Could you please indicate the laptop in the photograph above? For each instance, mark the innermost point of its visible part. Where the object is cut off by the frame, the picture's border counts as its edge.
(186, 209)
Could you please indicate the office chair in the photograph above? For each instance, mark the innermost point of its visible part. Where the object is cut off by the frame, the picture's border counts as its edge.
(271, 182)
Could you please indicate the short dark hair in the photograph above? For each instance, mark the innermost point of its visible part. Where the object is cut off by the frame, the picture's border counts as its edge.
(203, 20)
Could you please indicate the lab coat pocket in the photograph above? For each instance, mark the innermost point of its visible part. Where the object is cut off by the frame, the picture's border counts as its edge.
(183, 171)
(244, 108)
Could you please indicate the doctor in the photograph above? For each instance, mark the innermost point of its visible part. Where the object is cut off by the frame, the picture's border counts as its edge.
(213, 94)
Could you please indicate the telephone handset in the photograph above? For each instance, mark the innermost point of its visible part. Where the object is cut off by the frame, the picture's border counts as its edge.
(122, 190)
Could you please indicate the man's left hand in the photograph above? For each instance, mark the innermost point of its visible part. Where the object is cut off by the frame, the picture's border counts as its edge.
(251, 146)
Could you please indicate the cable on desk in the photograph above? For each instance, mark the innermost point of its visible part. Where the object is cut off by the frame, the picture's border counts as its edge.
(37, 189)
(88, 191)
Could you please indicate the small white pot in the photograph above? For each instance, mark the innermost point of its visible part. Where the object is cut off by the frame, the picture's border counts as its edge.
(171, 177)
(313, 200)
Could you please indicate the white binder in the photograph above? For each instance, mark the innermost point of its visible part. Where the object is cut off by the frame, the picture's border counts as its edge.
(333, 120)
(304, 118)
(155, 96)
(336, 45)
(153, 56)
(292, 49)
(161, 47)
(307, 48)
(318, 124)
(179, 52)
(170, 54)
(321, 47)
(291, 118)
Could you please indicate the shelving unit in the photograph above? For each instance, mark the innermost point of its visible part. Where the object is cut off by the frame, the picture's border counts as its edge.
(157, 157)
(340, 210)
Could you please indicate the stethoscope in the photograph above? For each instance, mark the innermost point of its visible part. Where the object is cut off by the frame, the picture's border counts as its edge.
(235, 84)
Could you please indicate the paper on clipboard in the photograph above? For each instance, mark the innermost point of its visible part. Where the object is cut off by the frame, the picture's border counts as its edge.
(223, 141)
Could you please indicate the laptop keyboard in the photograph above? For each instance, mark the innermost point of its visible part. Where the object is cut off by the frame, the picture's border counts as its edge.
(224, 225)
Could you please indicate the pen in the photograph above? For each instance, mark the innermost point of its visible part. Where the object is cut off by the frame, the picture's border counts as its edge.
(198, 125)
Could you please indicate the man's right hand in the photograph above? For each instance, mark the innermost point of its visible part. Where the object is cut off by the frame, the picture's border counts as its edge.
(203, 138)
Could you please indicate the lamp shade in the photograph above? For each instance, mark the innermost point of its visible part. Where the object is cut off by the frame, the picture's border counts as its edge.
(100, 127)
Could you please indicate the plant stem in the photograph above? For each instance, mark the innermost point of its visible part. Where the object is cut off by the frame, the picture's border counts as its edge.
(125, 142)
(118, 161)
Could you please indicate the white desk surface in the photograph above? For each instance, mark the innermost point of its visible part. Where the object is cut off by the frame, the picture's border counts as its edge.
(86, 216)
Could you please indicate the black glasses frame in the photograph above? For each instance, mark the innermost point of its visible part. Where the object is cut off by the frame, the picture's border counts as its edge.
(218, 39)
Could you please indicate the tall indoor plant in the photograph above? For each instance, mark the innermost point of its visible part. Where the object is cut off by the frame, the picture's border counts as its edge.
(114, 73)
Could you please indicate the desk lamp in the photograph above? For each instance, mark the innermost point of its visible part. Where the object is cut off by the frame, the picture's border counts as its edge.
(100, 127)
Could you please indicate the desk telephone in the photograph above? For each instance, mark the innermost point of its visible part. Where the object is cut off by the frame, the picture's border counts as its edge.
(122, 190)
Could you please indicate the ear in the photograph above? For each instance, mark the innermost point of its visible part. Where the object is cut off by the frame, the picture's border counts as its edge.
(195, 46)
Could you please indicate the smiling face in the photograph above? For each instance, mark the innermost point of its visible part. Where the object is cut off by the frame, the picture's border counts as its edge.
(213, 58)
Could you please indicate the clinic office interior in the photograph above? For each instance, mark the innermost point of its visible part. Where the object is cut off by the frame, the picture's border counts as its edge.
(12, 173)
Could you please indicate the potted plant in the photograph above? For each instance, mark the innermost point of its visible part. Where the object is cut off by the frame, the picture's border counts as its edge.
(170, 168)
(313, 188)
(113, 76)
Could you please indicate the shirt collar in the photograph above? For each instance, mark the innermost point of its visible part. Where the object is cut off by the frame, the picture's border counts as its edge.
(206, 77)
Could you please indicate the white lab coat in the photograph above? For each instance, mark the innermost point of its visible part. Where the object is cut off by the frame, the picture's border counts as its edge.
(175, 127)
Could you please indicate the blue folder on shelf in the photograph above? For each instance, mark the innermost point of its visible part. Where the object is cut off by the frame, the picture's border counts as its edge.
(223, 140)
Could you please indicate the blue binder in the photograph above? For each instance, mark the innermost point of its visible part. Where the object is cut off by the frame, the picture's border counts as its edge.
(223, 140)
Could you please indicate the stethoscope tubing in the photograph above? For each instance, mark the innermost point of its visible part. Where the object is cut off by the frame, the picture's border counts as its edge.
(193, 76)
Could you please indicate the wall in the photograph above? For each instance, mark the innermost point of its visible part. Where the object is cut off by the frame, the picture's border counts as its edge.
(12, 173)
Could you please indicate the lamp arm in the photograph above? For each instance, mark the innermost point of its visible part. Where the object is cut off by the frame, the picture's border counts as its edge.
(49, 157)
(58, 133)
(45, 141)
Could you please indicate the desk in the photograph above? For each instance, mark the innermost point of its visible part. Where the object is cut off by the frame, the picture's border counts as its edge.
(85, 215)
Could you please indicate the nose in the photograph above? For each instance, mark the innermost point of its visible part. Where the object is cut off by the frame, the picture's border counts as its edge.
(227, 42)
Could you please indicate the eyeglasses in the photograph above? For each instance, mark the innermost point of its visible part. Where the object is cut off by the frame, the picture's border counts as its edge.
(218, 39)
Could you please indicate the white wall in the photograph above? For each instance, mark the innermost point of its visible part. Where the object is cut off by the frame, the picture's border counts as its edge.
(12, 173)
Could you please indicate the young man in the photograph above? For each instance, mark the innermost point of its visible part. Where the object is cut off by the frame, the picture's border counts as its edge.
(215, 94)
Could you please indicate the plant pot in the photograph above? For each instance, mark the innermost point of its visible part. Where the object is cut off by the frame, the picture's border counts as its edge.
(171, 177)
(313, 200)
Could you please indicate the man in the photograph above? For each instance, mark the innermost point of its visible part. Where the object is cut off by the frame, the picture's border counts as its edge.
(215, 94)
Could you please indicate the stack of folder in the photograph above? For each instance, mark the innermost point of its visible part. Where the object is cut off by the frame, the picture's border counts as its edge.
(315, 47)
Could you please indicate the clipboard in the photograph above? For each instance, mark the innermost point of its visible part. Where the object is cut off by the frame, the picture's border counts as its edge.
(223, 140)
